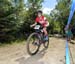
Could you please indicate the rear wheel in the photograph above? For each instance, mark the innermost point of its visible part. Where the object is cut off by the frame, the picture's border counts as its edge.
(33, 44)
(46, 43)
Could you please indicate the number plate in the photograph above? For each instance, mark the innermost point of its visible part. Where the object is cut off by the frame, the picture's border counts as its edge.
(37, 27)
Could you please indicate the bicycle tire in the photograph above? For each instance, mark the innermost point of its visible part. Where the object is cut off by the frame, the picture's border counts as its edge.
(28, 42)
(46, 44)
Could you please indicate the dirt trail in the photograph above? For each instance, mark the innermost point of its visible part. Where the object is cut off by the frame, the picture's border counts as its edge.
(55, 54)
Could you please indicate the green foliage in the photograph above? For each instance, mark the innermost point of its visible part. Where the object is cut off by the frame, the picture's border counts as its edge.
(11, 19)
(15, 20)
(60, 14)
(16, 16)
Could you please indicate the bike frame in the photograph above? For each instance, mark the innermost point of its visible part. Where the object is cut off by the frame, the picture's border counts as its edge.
(40, 33)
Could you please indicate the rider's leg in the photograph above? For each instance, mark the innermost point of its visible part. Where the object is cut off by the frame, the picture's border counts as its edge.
(45, 33)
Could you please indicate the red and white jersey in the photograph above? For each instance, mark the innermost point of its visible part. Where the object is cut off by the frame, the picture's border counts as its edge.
(42, 20)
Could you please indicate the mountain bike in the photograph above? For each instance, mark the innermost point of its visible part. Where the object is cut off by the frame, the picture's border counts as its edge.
(35, 40)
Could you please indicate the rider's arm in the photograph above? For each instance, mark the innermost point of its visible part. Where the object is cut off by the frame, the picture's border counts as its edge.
(33, 24)
(47, 23)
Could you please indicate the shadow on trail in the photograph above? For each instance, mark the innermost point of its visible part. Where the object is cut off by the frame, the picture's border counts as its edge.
(72, 42)
(33, 59)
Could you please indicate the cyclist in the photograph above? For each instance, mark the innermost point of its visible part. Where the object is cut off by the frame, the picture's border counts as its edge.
(43, 22)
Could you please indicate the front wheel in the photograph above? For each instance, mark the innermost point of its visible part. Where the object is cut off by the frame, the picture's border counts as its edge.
(33, 44)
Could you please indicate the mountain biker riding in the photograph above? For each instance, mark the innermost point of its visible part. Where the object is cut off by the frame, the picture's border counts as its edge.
(43, 22)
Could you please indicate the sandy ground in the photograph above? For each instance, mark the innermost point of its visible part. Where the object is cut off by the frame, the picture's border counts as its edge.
(55, 54)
